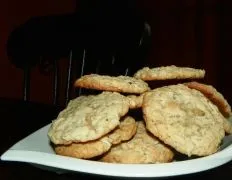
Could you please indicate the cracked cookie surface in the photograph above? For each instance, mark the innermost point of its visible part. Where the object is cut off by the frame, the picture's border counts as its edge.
(125, 131)
(184, 119)
(88, 118)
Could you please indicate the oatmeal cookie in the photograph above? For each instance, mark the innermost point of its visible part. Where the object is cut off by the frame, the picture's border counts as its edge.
(184, 119)
(125, 131)
(169, 72)
(217, 98)
(124, 84)
(142, 148)
(135, 101)
(88, 118)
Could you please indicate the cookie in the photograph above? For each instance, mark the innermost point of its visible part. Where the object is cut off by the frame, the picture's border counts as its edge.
(216, 97)
(169, 72)
(85, 150)
(143, 148)
(228, 125)
(135, 101)
(123, 84)
(184, 119)
(91, 149)
(88, 118)
(124, 132)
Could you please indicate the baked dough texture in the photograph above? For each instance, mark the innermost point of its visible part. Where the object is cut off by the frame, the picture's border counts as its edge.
(184, 119)
(124, 84)
(125, 131)
(217, 98)
(135, 101)
(143, 148)
(169, 72)
(88, 118)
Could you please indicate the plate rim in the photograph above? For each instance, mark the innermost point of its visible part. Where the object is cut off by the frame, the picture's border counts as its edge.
(111, 169)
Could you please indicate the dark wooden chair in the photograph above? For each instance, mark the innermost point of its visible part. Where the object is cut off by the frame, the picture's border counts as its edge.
(93, 43)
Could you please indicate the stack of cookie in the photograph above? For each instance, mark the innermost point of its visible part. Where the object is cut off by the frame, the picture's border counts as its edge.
(190, 118)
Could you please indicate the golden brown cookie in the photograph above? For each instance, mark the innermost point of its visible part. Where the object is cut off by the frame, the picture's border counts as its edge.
(124, 84)
(169, 72)
(184, 119)
(135, 101)
(90, 149)
(84, 150)
(142, 148)
(216, 97)
(124, 132)
(88, 118)
(228, 125)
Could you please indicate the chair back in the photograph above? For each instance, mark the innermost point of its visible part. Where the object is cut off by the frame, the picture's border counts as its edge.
(43, 41)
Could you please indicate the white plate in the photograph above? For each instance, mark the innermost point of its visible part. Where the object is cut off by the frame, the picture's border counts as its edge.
(36, 149)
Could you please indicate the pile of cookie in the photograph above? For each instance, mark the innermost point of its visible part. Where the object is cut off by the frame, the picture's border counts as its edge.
(189, 118)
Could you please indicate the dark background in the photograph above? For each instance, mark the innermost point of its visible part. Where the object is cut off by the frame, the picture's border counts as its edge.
(194, 33)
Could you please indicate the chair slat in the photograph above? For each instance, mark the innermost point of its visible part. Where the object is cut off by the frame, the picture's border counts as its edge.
(126, 72)
(26, 83)
(55, 83)
(69, 73)
(82, 68)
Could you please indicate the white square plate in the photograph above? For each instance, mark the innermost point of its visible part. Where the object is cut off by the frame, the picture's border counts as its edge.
(36, 149)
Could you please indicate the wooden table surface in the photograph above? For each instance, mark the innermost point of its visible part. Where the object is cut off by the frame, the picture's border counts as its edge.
(19, 119)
